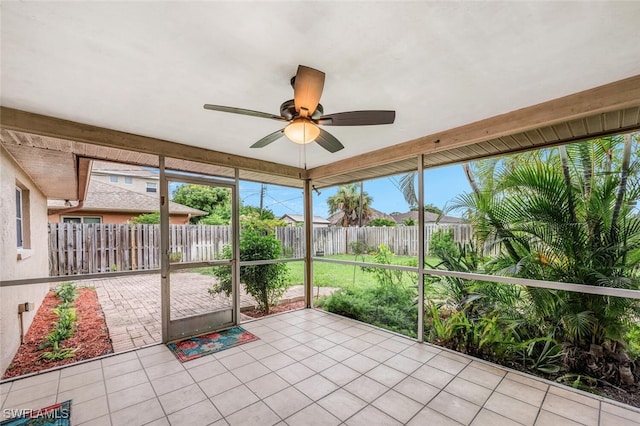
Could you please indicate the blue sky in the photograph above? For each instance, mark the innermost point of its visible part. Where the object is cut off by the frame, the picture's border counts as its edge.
(442, 184)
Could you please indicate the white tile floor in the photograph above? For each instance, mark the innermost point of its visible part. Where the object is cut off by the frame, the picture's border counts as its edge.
(309, 368)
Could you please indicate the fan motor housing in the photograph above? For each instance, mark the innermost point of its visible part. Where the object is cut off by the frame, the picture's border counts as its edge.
(288, 110)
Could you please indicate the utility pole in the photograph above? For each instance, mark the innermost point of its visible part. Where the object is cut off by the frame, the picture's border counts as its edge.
(360, 215)
(263, 190)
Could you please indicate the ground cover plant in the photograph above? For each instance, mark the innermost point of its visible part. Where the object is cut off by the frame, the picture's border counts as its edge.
(64, 327)
(388, 302)
(90, 337)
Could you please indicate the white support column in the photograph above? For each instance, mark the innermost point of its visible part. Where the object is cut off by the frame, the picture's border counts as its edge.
(421, 244)
(165, 291)
(235, 231)
(308, 237)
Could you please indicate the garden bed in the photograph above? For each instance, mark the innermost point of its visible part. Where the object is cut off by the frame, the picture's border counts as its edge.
(91, 336)
(284, 307)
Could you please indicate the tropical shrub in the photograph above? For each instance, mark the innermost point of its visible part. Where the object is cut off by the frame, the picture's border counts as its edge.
(381, 221)
(442, 242)
(146, 219)
(566, 214)
(266, 283)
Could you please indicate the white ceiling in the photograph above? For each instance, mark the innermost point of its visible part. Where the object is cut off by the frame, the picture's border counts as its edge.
(148, 67)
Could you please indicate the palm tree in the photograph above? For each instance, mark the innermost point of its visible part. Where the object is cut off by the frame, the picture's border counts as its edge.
(347, 201)
(406, 184)
(567, 214)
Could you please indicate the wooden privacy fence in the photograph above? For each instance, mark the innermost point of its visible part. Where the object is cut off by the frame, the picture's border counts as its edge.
(76, 248)
(401, 240)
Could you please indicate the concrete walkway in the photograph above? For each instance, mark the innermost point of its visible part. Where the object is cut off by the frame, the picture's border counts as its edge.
(132, 310)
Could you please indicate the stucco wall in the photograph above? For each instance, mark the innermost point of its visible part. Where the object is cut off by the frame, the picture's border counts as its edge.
(35, 261)
(117, 218)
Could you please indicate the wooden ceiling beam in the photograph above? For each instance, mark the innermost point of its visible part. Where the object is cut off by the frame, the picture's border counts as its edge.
(610, 97)
(27, 122)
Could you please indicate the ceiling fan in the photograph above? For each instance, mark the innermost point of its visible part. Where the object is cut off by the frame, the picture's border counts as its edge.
(304, 113)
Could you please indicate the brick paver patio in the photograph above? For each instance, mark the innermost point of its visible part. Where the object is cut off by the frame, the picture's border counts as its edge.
(132, 308)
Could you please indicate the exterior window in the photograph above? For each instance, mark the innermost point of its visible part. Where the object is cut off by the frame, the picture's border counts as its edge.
(19, 216)
(23, 207)
(152, 187)
(81, 219)
(128, 180)
(113, 178)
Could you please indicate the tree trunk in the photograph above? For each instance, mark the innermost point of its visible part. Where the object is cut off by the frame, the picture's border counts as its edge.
(470, 178)
(622, 188)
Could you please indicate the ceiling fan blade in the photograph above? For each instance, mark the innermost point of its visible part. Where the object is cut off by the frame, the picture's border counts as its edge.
(307, 89)
(357, 118)
(268, 139)
(243, 111)
(329, 142)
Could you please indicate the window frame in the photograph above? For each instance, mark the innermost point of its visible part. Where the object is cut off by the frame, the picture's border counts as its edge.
(19, 219)
(153, 185)
(81, 218)
(113, 178)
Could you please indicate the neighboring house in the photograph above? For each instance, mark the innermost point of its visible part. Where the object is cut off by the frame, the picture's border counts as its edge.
(336, 218)
(298, 220)
(107, 203)
(127, 176)
(429, 217)
(23, 231)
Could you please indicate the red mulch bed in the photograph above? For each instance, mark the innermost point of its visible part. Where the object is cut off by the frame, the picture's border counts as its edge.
(253, 313)
(91, 336)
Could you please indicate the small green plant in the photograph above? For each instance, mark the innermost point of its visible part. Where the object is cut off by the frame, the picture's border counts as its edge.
(579, 381)
(66, 292)
(176, 256)
(59, 354)
(542, 354)
(64, 327)
(288, 252)
(358, 248)
(386, 277)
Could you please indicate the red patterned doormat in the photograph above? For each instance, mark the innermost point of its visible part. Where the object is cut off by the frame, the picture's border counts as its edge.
(196, 347)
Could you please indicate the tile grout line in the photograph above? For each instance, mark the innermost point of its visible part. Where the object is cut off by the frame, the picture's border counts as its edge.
(241, 382)
(315, 373)
(106, 394)
(489, 397)
(152, 388)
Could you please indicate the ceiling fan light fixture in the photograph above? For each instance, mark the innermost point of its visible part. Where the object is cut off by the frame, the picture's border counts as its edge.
(301, 131)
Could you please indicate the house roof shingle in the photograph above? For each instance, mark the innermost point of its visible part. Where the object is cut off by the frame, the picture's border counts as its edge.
(428, 217)
(298, 218)
(105, 167)
(336, 218)
(104, 197)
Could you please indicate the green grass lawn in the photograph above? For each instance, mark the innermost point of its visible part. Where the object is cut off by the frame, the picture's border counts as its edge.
(344, 276)
(333, 275)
